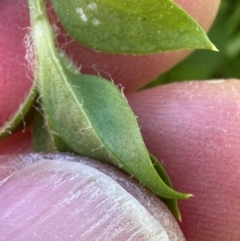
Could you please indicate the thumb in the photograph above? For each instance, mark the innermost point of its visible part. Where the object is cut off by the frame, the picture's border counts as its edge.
(60, 197)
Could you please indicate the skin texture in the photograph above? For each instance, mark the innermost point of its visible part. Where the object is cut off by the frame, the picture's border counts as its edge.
(193, 127)
(61, 197)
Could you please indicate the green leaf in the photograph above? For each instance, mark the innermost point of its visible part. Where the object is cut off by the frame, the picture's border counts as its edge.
(89, 113)
(18, 116)
(170, 203)
(44, 139)
(131, 26)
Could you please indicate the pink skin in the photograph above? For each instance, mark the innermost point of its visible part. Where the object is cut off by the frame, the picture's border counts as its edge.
(17, 143)
(71, 198)
(193, 127)
(12, 63)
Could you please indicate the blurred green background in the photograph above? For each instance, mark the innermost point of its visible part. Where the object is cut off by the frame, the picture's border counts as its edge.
(203, 64)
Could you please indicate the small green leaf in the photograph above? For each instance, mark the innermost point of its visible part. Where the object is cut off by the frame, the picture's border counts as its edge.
(18, 116)
(170, 203)
(131, 26)
(44, 139)
(89, 113)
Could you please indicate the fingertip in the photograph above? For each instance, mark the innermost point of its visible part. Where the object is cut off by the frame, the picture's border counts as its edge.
(58, 197)
(193, 127)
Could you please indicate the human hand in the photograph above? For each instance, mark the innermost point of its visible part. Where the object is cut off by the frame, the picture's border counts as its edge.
(175, 121)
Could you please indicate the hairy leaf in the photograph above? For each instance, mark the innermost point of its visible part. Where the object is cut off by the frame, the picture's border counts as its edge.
(18, 116)
(44, 138)
(89, 113)
(131, 26)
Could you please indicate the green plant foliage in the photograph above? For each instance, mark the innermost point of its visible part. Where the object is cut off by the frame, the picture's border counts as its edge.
(89, 114)
(131, 26)
(18, 116)
(44, 138)
(202, 64)
(171, 203)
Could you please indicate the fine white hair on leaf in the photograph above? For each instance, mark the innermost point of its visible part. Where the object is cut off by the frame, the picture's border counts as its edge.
(38, 100)
(29, 54)
(98, 148)
(96, 70)
(76, 86)
(23, 122)
(69, 63)
(99, 71)
(78, 70)
(65, 43)
(56, 30)
(39, 110)
(121, 87)
(84, 128)
(8, 131)
(51, 14)
(53, 132)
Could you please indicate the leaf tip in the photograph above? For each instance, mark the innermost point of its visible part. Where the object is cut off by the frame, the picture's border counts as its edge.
(189, 195)
(214, 48)
(179, 217)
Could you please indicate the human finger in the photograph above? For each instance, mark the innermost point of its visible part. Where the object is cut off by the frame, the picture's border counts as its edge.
(62, 197)
(19, 143)
(193, 128)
